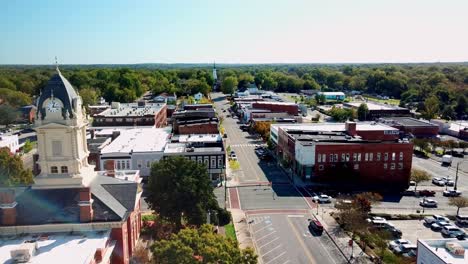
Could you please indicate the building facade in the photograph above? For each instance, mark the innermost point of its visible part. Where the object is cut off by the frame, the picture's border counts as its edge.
(411, 126)
(133, 114)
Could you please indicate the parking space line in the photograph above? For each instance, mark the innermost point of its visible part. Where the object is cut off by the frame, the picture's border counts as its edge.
(299, 239)
(276, 257)
(266, 235)
(269, 242)
(271, 250)
(263, 228)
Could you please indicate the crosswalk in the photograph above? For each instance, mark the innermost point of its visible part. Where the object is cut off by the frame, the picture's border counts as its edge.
(244, 145)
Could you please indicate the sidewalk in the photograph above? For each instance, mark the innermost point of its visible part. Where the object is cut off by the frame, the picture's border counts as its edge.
(242, 228)
(341, 239)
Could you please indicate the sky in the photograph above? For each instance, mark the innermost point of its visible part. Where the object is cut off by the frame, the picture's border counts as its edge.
(240, 31)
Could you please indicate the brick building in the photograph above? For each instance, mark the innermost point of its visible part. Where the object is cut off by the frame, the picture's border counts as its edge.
(411, 126)
(278, 107)
(139, 114)
(195, 120)
(368, 154)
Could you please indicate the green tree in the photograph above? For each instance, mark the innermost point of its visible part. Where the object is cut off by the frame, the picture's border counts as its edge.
(419, 176)
(28, 146)
(180, 190)
(448, 112)
(459, 202)
(363, 112)
(320, 99)
(431, 107)
(12, 172)
(229, 85)
(461, 106)
(89, 96)
(200, 246)
(8, 114)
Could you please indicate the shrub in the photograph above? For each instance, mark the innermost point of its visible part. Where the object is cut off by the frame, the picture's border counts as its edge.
(224, 217)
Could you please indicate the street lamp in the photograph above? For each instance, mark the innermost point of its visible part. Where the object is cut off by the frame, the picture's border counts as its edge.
(456, 175)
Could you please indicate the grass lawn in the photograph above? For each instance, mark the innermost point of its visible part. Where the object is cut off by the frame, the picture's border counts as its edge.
(230, 231)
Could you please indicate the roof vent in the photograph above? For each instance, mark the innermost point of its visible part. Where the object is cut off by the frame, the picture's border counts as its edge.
(24, 253)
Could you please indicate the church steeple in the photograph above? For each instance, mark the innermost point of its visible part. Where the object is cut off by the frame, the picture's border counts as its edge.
(215, 75)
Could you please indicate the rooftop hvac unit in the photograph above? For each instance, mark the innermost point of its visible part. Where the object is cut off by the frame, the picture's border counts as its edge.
(24, 253)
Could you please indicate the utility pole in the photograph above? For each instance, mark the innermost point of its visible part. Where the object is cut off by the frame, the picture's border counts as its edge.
(456, 176)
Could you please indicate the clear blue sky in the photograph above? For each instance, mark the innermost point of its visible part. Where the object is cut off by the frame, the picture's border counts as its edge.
(255, 31)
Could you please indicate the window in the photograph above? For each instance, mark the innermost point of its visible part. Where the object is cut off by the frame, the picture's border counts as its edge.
(139, 164)
(56, 148)
(359, 157)
(324, 158)
(347, 157)
(128, 164)
(343, 157)
(148, 163)
(336, 157)
(401, 156)
(213, 162)
(319, 158)
(385, 166)
(320, 167)
(366, 157)
(53, 169)
(200, 161)
(392, 166)
(400, 166)
(385, 156)
(118, 165)
(220, 163)
(393, 156)
(371, 156)
(356, 166)
(378, 156)
(331, 158)
(64, 169)
(354, 156)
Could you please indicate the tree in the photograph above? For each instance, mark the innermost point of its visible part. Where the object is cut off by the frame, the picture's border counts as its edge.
(201, 246)
(431, 107)
(12, 172)
(320, 98)
(419, 176)
(448, 113)
(362, 112)
(89, 96)
(180, 190)
(461, 106)
(459, 202)
(28, 146)
(229, 85)
(263, 128)
(8, 114)
(422, 144)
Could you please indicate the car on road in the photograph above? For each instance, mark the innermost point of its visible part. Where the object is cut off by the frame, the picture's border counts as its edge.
(448, 181)
(405, 248)
(322, 198)
(452, 231)
(428, 203)
(260, 152)
(434, 219)
(451, 193)
(316, 226)
(397, 243)
(438, 181)
(437, 226)
(426, 193)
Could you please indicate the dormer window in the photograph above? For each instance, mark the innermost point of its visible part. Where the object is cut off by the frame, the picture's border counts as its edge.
(53, 169)
(64, 169)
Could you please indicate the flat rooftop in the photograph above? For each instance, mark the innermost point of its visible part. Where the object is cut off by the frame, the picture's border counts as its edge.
(177, 148)
(407, 121)
(438, 247)
(374, 106)
(275, 103)
(334, 127)
(138, 140)
(77, 248)
(132, 109)
(199, 138)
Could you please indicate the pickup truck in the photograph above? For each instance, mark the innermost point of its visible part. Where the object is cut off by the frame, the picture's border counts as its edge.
(435, 218)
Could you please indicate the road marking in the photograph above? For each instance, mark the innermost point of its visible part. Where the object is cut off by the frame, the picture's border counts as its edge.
(255, 232)
(304, 247)
(295, 215)
(276, 257)
(271, 250)
(287, 261)
(266, 236)
(269, 242)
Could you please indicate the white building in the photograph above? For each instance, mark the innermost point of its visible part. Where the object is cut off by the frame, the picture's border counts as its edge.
(10, 142)
(135, 149)
(442, 251)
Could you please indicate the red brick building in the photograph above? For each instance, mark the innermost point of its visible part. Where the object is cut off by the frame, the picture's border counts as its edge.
(290, 108)
(195, 121)
(367, 154)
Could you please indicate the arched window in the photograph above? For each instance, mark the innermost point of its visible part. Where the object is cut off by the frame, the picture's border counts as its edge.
(64, 169)
(53, 169)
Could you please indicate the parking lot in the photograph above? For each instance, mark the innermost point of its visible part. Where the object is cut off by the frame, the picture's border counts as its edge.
(415, 229)
(283, 239)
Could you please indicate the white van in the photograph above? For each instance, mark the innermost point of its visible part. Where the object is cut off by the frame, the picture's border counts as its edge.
(462, 219)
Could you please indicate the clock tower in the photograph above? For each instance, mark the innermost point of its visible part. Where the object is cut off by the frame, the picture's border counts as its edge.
(61, 137)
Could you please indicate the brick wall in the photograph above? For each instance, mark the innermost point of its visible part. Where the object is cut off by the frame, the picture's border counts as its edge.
(291, 109)
(206, 128)
(120, 254)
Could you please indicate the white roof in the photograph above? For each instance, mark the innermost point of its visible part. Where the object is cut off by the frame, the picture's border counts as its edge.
(138, 140)
(132, 109)
(437, 247)
(360, 126)
(374, 106)
(57, 247)
(200, 138)
(332, 93)
(458, 125)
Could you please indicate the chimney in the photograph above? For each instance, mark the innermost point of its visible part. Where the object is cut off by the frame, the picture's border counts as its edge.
(350, 127)
(86, 205)
(109, 167)
(8, 207)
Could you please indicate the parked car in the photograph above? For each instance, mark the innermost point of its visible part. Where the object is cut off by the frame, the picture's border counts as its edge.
(435, 218)
(462, 219)
(428, 203)
(451, 193)
(437, 226)
(427, 193)
(452, 231)
(448, 181)
(405, 248)
(447, 160)
(323, 198)
(397, 243)
(411, 254)
(376, 218)
(316, 226)
(438, 181)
